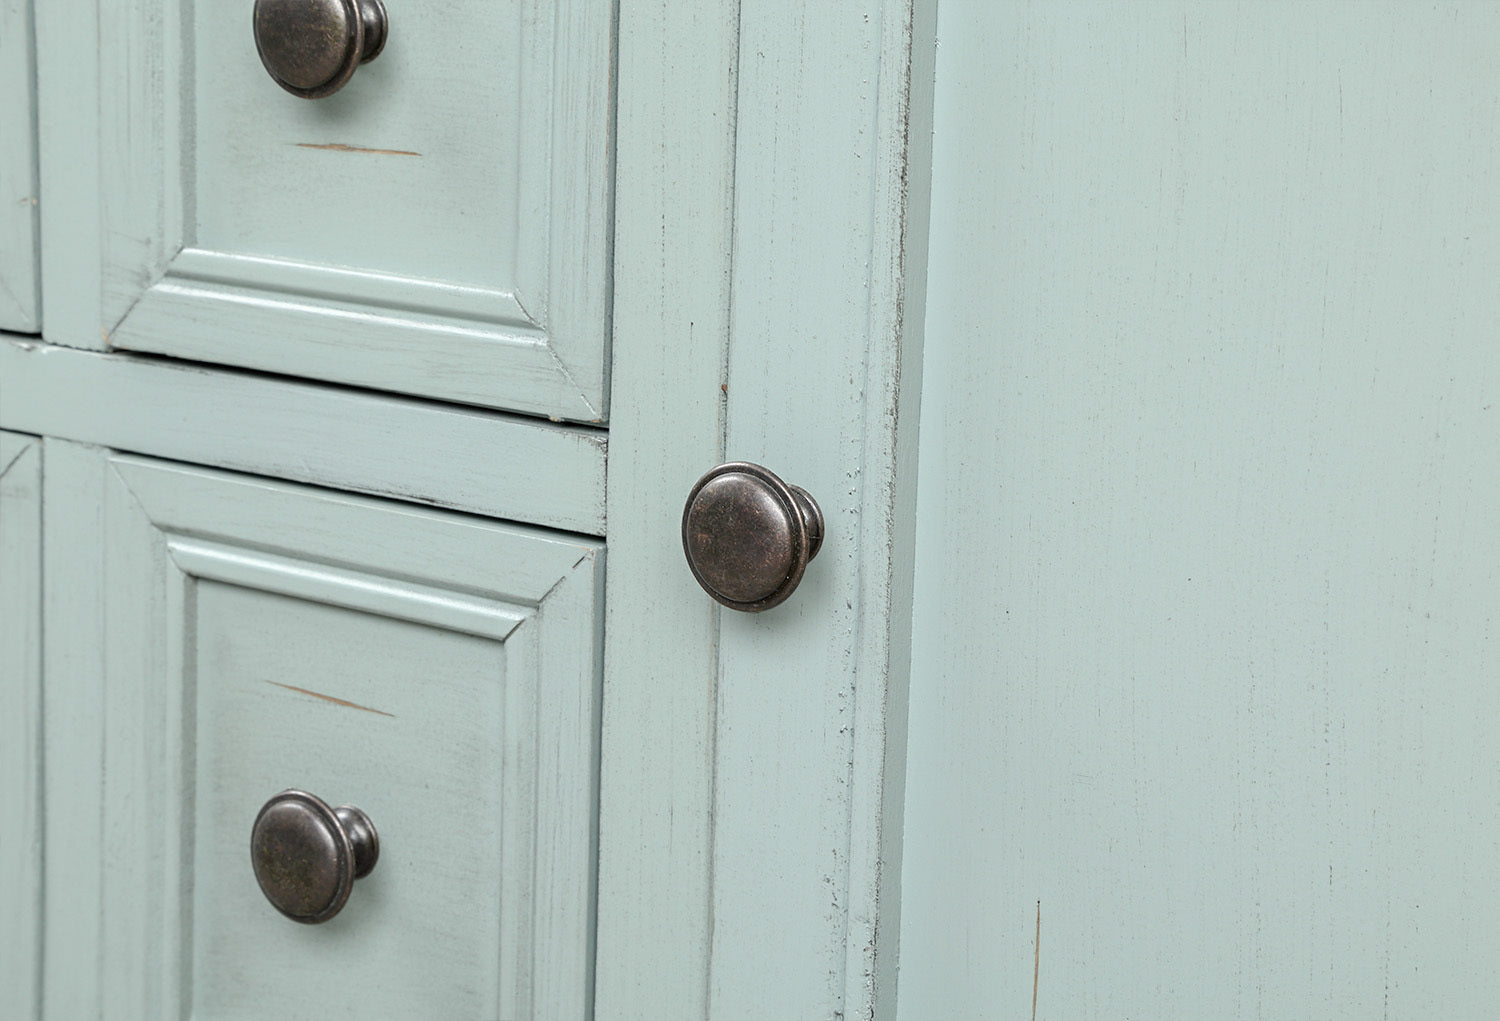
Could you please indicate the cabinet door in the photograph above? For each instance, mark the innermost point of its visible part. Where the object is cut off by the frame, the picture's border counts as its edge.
(20, 721)
(439, 226)
(437, 671)
(18, 192)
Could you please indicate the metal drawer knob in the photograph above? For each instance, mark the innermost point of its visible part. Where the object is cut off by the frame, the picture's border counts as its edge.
(749, 536)
(311, 47)
(307, 855)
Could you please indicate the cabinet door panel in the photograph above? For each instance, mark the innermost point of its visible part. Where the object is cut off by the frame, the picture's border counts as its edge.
(20, 724)
(437, 671)
(19, 300)
(440, 226)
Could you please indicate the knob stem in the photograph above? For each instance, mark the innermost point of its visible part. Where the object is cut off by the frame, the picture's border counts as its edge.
(362, 837)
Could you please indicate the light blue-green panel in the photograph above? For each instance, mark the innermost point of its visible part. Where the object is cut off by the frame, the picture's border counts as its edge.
(20, 724)
(1208, 570)
(439, 227)
(20, 302)
(440, 672)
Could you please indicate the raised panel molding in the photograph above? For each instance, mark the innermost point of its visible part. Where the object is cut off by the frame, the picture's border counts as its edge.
(483, 277)
(196, 565)
(20, 726)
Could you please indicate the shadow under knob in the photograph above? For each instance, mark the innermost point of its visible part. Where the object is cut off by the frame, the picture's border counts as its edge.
(311, 47)
(307, 855)
(749, 536)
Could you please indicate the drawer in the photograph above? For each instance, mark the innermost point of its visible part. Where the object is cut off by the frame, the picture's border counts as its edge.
(19, 298)
(439, 226)
(439, 672)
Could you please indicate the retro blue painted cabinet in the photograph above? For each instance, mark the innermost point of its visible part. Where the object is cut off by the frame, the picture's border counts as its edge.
(1140, 358)
(317, 418)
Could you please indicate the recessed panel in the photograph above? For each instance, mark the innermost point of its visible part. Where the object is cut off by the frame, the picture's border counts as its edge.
(403, 720)
(412, 169)
(438, 226)
(438, 671)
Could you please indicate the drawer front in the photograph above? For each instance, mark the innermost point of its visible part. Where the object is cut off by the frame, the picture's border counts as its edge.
(436, 671)
(19, 298)
(439, 226)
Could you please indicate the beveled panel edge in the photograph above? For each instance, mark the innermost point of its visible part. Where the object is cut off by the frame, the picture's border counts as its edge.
(480, 462)
(374, 348)
(339, 287)
(368, 593)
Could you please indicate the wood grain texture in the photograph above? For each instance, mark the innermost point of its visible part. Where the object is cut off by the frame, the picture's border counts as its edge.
(247, 227)
(480, 645)
(672, 240)
(823, 381)
(20, 726)
(1206, 587)
(499, 465)
(20, 281)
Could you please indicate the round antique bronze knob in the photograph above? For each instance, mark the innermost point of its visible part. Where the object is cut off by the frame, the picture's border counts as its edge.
(307, 855)
(749, 536)
(311, 47)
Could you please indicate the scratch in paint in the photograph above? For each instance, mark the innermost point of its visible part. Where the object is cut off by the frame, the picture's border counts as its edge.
(330, 698)
(341, 147)
(1036, 967)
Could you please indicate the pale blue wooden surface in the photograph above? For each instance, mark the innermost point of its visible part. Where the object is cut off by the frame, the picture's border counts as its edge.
(439, 671)
(439, 227)
(766, 265)
(673, 231)
(20, 725)
(1208, 569)
(20, 297)
(765, 194)
(431, 453)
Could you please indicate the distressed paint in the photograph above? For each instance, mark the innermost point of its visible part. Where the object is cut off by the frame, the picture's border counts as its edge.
(770, 160)
(823, 380)
(1207, 565)
(770, 240)
(674, 182)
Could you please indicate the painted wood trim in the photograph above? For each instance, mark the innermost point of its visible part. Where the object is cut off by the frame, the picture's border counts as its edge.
(823, 387)
(888, 513)
(67, 66)
(352, 590)
(397, 351)
(20, 725)
(674, 188)
(73, 717)
(20, 285)
(498, 465)
(827, 183)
